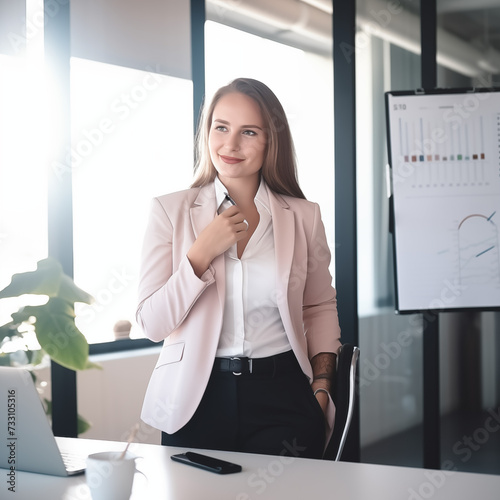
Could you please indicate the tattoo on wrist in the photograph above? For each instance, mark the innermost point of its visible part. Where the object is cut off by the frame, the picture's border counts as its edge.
(323, 364)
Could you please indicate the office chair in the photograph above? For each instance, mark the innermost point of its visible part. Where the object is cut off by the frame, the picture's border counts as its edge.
(342, 393)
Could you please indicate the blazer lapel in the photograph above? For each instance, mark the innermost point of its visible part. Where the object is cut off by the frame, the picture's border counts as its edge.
(203, 210)
(284, 237)
(202, 213)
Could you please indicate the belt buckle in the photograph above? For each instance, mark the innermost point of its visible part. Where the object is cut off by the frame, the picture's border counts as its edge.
(235, 373)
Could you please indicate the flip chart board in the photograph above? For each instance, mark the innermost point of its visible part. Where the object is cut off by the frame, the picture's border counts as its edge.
(444, 159)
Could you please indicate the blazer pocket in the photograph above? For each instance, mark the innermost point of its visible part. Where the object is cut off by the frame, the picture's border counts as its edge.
(170, 354)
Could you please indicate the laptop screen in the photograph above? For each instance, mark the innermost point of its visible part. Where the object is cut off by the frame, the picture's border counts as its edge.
(29, 444)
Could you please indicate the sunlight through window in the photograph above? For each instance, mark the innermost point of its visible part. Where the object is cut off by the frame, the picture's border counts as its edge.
(132, 134)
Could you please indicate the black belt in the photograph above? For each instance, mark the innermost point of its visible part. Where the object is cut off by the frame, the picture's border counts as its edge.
(272, 365)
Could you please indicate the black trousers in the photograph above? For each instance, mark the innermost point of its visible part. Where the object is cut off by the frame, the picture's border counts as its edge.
(270, 413)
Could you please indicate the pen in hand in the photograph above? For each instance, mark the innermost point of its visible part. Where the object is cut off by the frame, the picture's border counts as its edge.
(228, 198)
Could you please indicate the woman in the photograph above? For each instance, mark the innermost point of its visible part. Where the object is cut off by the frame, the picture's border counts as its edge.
(235, 280)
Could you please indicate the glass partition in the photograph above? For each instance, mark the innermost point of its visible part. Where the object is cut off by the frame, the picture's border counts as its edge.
(469, 49)
(390, 365)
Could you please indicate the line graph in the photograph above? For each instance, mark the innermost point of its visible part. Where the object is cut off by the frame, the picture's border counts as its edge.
(478, 255)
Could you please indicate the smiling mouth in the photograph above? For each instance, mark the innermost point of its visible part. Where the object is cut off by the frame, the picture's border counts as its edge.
(230, 159)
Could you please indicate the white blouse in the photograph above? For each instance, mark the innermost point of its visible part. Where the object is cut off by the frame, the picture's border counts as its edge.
(252, 323)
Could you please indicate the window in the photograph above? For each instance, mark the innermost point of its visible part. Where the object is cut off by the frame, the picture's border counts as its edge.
(23, 178)
(132, 133)
(132, 139)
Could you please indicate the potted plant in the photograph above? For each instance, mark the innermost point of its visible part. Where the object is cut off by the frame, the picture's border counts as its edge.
(47, 330)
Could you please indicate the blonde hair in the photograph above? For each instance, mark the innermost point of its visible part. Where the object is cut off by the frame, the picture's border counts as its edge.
(279, 168)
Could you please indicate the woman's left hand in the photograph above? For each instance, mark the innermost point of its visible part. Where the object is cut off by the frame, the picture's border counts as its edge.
(323, 365)
(321, 396)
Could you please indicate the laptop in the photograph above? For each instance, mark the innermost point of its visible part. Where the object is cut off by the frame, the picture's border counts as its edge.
(27, 442)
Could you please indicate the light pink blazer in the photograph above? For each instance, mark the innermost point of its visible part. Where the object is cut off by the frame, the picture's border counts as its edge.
(186, 312)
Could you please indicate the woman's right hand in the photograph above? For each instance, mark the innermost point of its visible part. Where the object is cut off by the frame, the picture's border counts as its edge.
(222, 233)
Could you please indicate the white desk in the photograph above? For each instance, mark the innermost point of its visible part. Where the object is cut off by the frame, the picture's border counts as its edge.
(263, 478)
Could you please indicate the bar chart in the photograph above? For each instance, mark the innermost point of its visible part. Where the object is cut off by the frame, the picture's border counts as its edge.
(444, 153)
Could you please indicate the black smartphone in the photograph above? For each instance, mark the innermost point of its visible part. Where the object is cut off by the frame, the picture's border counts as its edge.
(207, 463)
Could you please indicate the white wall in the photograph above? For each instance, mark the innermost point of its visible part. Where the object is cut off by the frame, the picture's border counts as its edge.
(111, 398)
(150, 35)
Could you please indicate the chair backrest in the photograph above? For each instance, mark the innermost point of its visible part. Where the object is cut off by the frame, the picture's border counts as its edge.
(343, 395)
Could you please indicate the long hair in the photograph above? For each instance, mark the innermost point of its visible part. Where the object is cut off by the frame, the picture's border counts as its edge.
(279, 168)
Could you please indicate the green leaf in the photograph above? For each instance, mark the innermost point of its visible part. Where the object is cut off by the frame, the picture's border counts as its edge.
(71, 293)
(24, 314)
(5, 359)
(58, 335)
(82, 424)
(35, 357)
(91, 365)
(47, 279)
(9, 330)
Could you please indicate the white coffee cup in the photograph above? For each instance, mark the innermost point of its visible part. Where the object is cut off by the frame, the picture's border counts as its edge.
(110, 477)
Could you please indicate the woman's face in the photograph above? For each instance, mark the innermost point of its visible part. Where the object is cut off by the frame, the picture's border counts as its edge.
(237, 138)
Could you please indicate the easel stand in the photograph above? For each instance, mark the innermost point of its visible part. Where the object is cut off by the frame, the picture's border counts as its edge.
(431, 404)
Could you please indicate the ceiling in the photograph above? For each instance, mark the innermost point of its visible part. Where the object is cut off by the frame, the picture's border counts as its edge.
(476, 21)
(468, 30)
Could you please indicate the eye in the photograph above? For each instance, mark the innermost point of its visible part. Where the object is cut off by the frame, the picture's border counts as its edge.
(220, 128)
(250, 133)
